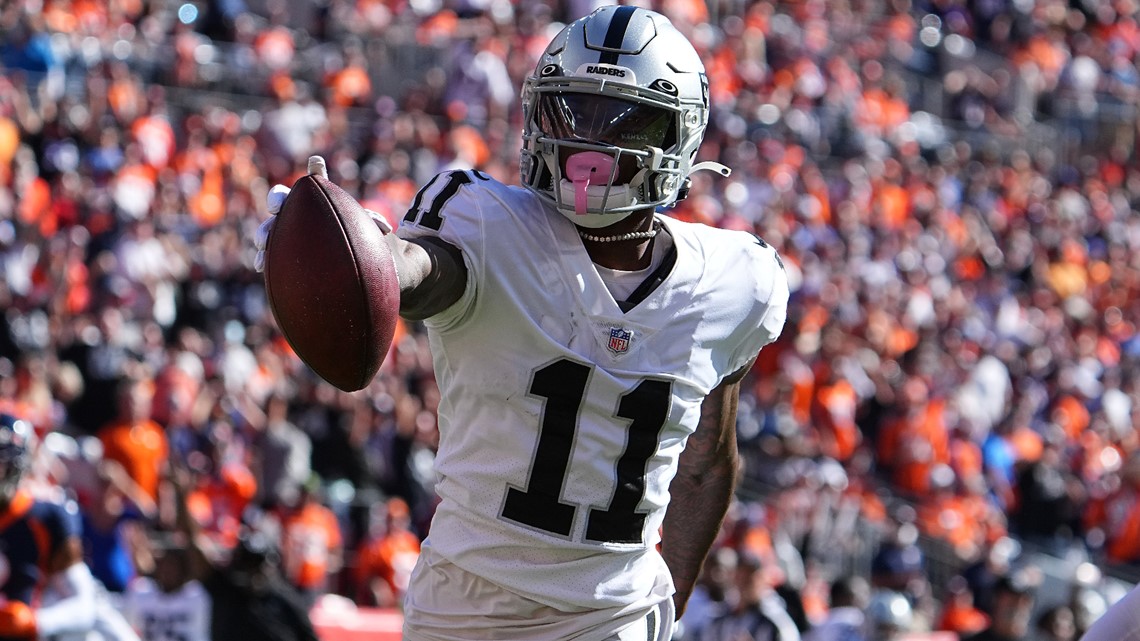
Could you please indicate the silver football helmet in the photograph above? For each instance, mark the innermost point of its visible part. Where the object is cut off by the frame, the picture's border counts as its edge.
(614, 113)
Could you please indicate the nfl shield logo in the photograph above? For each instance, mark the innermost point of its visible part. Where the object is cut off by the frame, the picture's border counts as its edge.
(619, 340)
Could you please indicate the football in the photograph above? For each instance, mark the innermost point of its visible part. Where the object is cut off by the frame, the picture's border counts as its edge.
(331, 283)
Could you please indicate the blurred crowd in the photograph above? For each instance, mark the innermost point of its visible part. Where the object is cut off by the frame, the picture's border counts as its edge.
(951, 186)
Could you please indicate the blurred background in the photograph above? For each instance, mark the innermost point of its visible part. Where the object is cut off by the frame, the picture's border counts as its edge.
(950, 417)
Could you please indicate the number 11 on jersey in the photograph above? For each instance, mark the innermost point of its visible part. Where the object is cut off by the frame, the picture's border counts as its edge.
(564, 384)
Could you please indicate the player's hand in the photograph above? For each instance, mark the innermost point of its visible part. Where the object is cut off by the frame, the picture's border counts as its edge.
(276, 199)
(17, 621)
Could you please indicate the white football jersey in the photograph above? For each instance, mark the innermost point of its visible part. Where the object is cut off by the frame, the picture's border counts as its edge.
(157, 616)
(562, 417)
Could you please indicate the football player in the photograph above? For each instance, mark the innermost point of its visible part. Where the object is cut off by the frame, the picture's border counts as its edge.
(40, 552)
(588, 351)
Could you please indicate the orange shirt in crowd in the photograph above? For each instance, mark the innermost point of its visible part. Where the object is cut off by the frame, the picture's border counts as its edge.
(155, 136)
(1122, 526)
(966, 458)
(913, 445)
(141, 448)
(893, 204)
(839, 435)
(9, 143)
(34, 207)
(218, 503)
(1027, 444)
(964, 521)
(275, 47)
(389, 558)
(1072, 415)
(350, 86)
(311, 545)
(959, 615)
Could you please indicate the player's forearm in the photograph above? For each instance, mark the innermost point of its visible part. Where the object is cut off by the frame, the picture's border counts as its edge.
(702, 490)
(432, 275)
(696, 511)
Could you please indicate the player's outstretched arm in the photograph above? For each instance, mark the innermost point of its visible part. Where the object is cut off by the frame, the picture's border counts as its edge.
(431, 271)
(1120, 623)
(702, 490)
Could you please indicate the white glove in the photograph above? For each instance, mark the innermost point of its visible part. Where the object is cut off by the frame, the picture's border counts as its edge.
(276, 198)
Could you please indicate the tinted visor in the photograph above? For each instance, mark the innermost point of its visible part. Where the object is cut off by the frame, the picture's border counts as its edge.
(610, 121)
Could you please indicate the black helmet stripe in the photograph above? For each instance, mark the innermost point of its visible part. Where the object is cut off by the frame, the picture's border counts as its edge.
(615, 35)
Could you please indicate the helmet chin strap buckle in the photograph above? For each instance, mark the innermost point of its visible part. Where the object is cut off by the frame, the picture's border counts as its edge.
(580, 169)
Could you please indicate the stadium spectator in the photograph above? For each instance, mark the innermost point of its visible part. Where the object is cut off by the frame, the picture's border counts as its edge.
(846, 617)
(114, 528)
(385, 560)
(221, 492)
(1012, 617)
(1056, 624)
(754, 609)
(312, 545)
(709, 600)
(959, 613)
(1049, 498)
(1122, 515)
(889, 616)
(169, 604)
(282, 454)
(249, 596)
(133, 440)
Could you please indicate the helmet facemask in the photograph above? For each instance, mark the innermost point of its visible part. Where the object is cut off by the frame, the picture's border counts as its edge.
(637, 131)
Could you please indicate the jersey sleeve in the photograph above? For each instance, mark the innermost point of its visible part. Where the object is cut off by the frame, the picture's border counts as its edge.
(448, 208)
(769, 284)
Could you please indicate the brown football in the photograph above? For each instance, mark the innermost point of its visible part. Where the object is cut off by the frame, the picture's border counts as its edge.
(331, 283)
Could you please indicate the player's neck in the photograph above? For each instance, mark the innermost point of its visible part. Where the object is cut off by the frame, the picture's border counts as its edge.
(625, 255)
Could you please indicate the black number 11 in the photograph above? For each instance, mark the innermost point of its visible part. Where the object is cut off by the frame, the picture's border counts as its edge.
(563, 385)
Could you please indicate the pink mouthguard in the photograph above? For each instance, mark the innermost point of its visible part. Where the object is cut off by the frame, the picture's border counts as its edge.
(580, 168)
